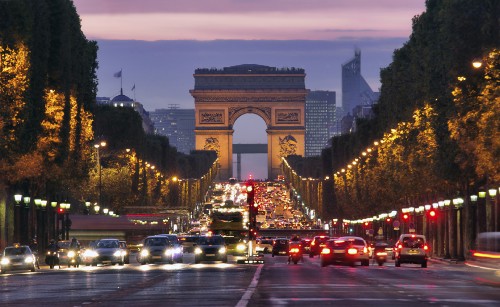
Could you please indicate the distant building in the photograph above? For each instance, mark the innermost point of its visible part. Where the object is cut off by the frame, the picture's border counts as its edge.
(357, 96)
(320, 121)
(124, 101)
(176, 124)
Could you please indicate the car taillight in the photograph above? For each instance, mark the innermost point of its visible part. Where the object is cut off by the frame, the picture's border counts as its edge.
(365, 250)
(312, 244)
(352, 251)
(400, 246)
(426, 247)
(326, 251)
(381, 254)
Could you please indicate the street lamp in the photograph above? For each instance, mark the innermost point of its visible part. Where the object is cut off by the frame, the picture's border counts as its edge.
(96, 209)
(493, 193)
(97, 147)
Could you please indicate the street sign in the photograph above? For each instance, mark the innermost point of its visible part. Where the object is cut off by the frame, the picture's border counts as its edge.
(380, 231)
(395, 224)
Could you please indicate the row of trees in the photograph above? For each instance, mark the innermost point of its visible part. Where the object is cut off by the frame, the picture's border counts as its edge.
(436, 123)
(49, 120)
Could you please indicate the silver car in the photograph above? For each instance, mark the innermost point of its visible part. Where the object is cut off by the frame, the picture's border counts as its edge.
(17, 257)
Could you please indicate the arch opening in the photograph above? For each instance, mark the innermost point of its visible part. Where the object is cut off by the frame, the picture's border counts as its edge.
(250, 128)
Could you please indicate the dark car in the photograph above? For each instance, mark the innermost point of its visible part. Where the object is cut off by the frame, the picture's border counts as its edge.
(317, 245)
(156, 249)
(210, 248)
(280, 247)
(306, 245)
(63, 249)
(347, 250)
(178, 251)
(17, 257)
(104, 251)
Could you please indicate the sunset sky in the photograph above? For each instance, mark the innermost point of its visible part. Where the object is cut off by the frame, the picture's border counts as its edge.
(159, 43)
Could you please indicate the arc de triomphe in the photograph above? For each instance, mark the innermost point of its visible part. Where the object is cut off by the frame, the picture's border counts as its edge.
(276, 95)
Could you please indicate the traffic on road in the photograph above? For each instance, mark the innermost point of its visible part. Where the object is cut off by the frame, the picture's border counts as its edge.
(202, 267)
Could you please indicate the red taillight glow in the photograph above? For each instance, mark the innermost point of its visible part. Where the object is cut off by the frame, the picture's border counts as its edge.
(426, 247)
(400, 246)
(312, 243)
(352, 251)
(326, 251)
(365, 250)
(294, 250)
(486, 255)
(381, 254)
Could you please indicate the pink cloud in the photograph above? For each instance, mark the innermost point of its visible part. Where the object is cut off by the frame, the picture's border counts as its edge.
(235, 19)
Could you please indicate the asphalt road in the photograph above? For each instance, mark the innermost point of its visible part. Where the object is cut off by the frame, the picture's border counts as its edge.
(274, 283)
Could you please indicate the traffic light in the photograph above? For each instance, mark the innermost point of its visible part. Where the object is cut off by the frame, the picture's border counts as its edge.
(405, 217)
(250, 193)
(432, 213)
(388, 220)
(60, 214)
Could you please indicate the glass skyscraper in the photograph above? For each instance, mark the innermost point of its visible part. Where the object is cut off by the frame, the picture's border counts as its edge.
(320, 121)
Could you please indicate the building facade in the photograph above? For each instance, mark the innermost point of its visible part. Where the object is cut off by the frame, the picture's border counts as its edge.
(176, 124)
(357, 96)
(321, 121)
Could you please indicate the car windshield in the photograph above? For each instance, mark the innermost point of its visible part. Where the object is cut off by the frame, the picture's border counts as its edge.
(107, 244)
(211, 241)
(16, 251)
(416, 242)
(156, 242)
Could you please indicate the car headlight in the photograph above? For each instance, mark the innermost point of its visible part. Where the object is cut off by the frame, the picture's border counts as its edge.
(222, 250)
(240, 247)
(144, 253)
(178, 250)
(71, 254)
(169, 251)
(28, 259)
(5, 261)
(198, 251)
(117, 254)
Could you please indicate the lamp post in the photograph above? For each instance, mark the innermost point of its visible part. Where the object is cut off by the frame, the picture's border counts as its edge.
(99, 188)
(447, 254)
(24, 220)
(17, 223)
(493, 194)
(87, 207)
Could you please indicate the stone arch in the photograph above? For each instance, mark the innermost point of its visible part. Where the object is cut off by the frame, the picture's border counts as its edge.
(277, 95)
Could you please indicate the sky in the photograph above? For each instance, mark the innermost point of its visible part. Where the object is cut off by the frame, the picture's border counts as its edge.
(159, 43)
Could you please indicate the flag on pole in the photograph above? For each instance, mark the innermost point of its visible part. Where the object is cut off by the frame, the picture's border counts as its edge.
(133, 87)
(118, 74)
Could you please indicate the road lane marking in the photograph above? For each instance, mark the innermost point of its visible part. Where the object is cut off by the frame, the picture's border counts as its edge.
(251, 288)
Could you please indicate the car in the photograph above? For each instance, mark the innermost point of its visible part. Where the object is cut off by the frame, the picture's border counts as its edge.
(411, 248)
(156, 248)
(346, 250)
(124, 247)
(63, 249)
(485, 259)
(17, 257)
(280, 247)
(178, 251)
(210, 248)
(104, 251)
(306, 245)
(317, 245)
(264, 246)
(188, 242)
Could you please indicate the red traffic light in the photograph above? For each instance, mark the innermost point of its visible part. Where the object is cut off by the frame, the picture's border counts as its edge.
(432, 213)
(60, 211)
(405, 216)
(388, 220)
